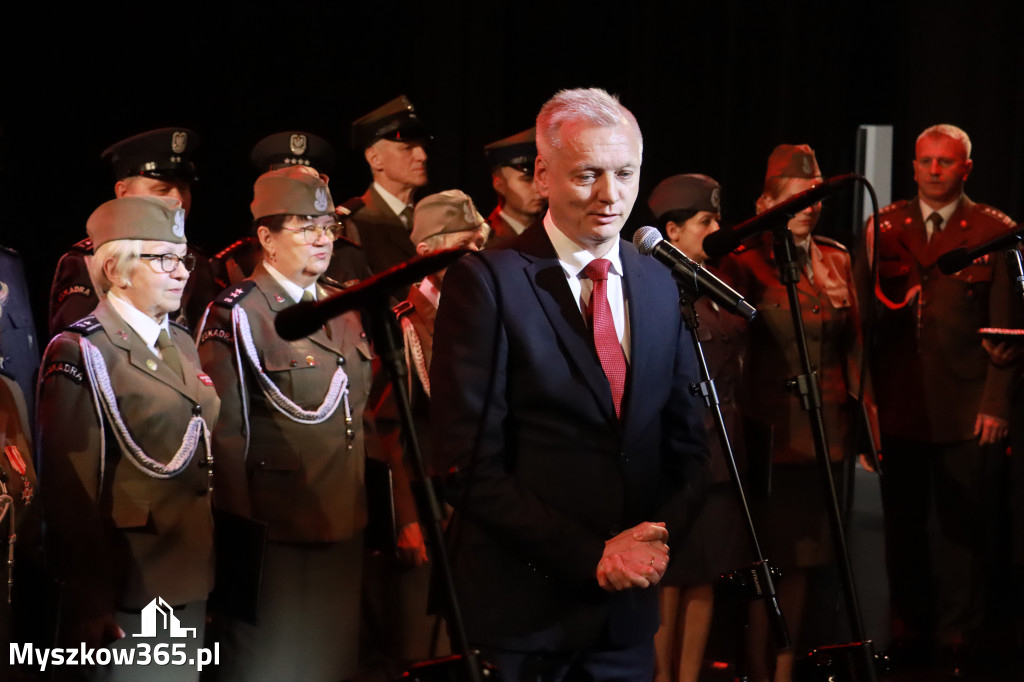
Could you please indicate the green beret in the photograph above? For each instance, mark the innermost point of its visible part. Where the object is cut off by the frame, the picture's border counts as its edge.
(293, 190)
(448, 211)
(137, 217)
(691, 192)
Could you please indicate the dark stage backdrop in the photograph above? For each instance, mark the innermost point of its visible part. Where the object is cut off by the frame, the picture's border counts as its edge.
(715, 86)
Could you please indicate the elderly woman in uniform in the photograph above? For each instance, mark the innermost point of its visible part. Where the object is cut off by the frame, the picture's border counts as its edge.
(125, 417)
(792, 517)
(687, 209)
(290, 443)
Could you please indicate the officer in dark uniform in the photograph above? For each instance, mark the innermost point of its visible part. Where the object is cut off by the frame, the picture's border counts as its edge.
(392, 140)
(279, 150)
(519, 202)
(154, 163)
(19, 348)
(942, 403)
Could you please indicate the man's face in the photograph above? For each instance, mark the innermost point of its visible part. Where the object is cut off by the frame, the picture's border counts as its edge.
(403, 163)
(519, 191)
(591, 183)
(140, 185)
(940, 169)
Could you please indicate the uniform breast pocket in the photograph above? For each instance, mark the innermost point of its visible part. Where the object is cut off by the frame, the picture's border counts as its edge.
(296, 371)
(839, 295)
(130, 514)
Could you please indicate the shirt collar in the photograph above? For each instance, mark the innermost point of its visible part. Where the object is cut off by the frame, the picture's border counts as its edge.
(292, 289)
(430, 291)
(946, 211)
(394, 203)
(143, 325)
(574, 257)
(515, 224)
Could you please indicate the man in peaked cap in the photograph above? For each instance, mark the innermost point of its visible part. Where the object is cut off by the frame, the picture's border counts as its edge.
(153, 163)
(392, 139)
(519, 202)
(943, 405)
(281, 150)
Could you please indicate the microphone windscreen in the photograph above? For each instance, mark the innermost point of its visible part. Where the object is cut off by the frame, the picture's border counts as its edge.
(646, 238)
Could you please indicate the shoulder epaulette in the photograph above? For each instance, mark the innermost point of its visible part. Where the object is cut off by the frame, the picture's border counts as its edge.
(9, 250)
(403, 309)
(234, 293)
(997, 215)
(893, 206)
(353, 204)
(828, 241)
(182, 327)
(227, 251)
(85, 326)
(741, 248)
(85, 246)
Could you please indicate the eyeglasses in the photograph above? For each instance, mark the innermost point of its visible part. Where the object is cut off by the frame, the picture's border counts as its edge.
(313, 232)
(169, 261)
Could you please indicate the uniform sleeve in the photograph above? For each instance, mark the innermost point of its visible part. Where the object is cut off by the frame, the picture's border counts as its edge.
(69, 444)
(995, 400)
(72, 294)
(216, 343)
(469, 414)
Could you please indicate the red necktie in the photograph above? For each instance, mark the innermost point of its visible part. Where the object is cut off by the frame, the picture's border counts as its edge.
(609, 350)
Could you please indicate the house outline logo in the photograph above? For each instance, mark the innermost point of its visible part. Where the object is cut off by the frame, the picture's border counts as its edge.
(160, 614)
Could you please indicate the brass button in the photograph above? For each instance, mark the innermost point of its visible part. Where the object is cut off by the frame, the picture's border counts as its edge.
(310, 360)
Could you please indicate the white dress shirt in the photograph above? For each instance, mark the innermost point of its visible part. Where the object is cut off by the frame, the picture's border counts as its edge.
(574, 259)
(144, 325)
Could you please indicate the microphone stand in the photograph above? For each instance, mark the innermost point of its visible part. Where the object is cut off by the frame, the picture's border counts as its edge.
(387, 340)
(755, 581)
(1015, 267)
(858, 656)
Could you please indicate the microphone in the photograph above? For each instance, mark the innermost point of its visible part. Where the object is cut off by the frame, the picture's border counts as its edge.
(302, 319)
(719, 243)
(956, 260)
(696, 279)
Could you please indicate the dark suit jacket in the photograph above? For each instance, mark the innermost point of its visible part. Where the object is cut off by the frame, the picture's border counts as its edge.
(931, 374)
(542, 472)
(19, 346)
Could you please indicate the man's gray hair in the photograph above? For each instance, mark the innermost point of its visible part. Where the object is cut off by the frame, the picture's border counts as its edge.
(592, 105)
(949, 130)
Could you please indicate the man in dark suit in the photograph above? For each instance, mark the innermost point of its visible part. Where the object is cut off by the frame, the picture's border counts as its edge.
(942, 404)
(562, 417)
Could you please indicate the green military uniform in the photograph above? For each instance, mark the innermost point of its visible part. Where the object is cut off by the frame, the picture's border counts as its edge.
(126, 470)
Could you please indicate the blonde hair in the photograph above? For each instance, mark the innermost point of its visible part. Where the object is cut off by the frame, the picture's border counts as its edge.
(592, 105)
(123, 253)
(949, 130)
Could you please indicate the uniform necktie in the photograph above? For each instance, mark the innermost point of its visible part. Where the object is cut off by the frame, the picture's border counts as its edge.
(935, 219)
(606, 341)
(169, 353)
(805, 263)
(406, 216)
(307, 297)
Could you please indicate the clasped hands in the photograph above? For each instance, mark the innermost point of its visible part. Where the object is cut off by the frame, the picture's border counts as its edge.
(636, 557)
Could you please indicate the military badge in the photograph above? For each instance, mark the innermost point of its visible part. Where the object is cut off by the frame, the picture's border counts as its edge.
(179, 223)
(279, 298)
(179, 140)
(151, 365)
(716, 198)
(320, 200)
(205, 378)
(123, 334)
(297, 144)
